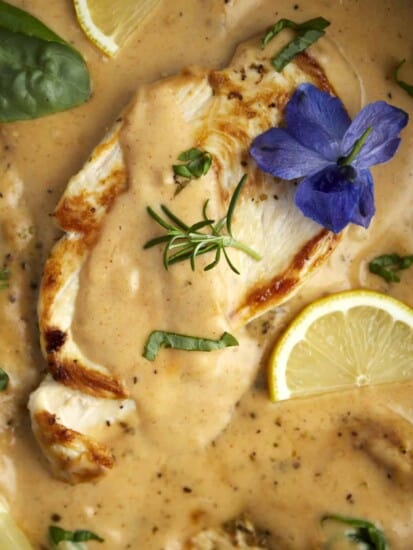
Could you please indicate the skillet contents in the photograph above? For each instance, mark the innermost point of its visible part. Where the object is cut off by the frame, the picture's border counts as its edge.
(187, 450)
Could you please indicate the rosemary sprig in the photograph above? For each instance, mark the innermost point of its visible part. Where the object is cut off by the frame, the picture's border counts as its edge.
(186, 242)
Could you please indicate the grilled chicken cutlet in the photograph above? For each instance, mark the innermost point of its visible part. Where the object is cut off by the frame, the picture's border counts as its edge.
(103, 293)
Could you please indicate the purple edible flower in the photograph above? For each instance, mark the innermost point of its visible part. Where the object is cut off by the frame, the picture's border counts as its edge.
(331, 153)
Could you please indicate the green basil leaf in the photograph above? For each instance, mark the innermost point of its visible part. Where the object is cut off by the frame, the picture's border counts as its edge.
(318, 24)
(198, 163)
(159, 338)
(299, 44)
(40, 73)
(308, 33)
(15, 20)
(363, 531)
(404, 85)
(387, 266)
(4, 380)
(57, 535)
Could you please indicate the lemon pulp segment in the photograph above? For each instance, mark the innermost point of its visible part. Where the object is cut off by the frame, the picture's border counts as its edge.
(109, 24)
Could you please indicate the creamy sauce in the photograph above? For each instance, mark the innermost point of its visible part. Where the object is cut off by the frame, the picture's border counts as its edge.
(282, 465)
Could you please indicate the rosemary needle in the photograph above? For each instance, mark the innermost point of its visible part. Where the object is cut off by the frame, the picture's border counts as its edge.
(187, 242)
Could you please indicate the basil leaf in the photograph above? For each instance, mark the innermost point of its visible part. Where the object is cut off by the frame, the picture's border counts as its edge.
(387, 265)
(364, 531)
(404, 85)
(40, 73)
(16, 20)
(4, 380)
(308, 33)
(198, 163)
(159, 338)
(318, 23)
(57, 535)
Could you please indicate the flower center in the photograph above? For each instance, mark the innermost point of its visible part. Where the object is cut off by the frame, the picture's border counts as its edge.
(358, 145)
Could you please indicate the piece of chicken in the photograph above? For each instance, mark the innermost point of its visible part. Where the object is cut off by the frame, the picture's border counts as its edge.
(223, 111)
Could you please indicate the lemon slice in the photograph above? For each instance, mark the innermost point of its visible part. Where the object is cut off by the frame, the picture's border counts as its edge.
(109, 23)
(346, 340)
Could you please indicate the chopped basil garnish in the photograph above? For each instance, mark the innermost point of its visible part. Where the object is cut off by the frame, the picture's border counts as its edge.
(4, 278)
(158, 339)
(40, 72)
(308, 33)
(57, 534)
(196, 163)
(404, 85)
(387, 266)
(4, 380)
(362, 532)
(184, 242)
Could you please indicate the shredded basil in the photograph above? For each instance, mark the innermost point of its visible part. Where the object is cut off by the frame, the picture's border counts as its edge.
(4, 380)
(404, 85)
(158, 339)
(41, 74)
(387, 266)
(308, 33)
(57, 535)
(196, 163)
(363, 532)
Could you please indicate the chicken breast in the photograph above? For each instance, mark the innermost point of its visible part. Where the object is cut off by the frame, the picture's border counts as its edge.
(220, 111)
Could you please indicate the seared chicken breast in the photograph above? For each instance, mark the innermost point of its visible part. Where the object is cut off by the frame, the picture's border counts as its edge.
(220, 111)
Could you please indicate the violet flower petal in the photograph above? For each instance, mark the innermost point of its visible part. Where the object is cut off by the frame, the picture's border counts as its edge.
(278, 154)
(330, 197)
(317, 120)
(386, 122)
(365, 209)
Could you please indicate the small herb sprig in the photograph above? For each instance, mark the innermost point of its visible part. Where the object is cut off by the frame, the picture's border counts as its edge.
(404, 85)
(186, 242)
(308, 32)
(362, 531)
(196, 163)
(387, 266)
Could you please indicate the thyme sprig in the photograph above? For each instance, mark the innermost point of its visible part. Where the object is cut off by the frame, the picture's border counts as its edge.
(186, 242)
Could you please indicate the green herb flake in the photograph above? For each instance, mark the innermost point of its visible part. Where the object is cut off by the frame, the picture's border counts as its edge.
(183, 242)
(158, 339)
(57, 535)
(387, 266)
(41, 74)
(196, 164)
(4, 380)
(308, 32)
(363, 532)
(404, 85)
(4, 278)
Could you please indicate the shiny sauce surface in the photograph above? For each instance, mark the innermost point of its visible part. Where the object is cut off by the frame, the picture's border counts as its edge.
(282, 465)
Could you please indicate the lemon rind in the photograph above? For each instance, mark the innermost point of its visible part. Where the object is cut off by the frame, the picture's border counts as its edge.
(343, 301)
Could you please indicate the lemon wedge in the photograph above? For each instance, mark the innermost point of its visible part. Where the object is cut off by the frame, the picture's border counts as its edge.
(11, 538)
(108, 23)
(342, 341)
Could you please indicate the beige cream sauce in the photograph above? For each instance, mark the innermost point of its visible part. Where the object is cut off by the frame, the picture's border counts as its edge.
(283, 465)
